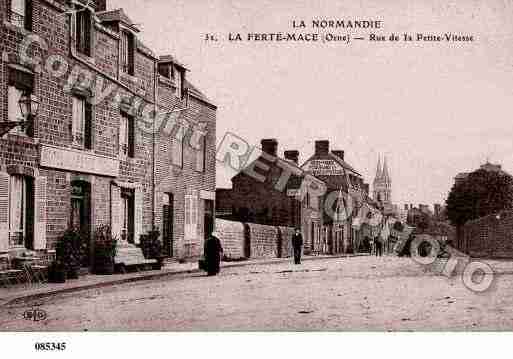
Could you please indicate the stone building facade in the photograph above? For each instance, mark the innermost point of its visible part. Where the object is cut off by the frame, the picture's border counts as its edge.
(92, 154)
(340, 177)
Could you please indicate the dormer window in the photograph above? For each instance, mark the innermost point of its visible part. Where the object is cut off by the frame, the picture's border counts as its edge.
(127, 52)
(83, 32)
(20, 14)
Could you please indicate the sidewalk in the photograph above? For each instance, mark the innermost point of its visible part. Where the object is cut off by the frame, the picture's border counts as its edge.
(20, 293)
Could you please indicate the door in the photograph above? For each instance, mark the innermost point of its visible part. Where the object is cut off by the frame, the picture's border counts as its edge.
(167, 225)
(208, 219)
(80, 217)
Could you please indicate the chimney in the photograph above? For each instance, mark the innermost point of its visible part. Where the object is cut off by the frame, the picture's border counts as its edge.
(339, 154)
(100, 5)
(270, 146)
(292, 155)
(322, 147)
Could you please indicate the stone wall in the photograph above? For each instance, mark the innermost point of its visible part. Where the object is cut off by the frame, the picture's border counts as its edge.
(490, 236)
(250, 240)
(232, 238)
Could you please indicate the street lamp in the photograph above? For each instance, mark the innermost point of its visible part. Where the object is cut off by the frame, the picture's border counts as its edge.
(29, 106)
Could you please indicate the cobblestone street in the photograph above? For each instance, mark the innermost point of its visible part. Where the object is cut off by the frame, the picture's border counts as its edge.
(361, 293)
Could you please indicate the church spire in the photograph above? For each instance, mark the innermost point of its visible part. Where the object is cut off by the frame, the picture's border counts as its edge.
(386, 176)
(379, 172)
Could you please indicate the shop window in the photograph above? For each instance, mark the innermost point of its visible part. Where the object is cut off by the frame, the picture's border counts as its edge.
(20, 83)
(127, 52)
(126, 136)
(83, 31)
(81, 126)
(20, 14)
(20, 211)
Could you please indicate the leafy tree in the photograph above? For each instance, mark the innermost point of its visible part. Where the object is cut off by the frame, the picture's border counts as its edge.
(480, 194)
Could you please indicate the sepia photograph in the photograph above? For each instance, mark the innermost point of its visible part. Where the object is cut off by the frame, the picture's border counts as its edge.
(255, 166)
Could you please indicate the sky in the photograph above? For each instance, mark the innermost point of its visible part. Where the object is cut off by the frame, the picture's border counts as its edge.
(433, 108)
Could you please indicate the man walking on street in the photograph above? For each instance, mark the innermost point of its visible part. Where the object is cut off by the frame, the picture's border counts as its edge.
(297, 244)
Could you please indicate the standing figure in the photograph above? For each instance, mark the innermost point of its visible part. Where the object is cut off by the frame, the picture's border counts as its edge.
(213, 250)
(297, 244)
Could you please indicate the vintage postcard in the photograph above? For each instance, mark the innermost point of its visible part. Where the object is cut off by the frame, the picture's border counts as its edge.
(228, 165)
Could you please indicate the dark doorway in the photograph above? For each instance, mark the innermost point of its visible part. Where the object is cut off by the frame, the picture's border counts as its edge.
(80, 217)
(167, 225)
(208, 221)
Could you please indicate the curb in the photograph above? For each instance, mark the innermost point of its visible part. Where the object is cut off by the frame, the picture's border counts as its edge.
(151, 276)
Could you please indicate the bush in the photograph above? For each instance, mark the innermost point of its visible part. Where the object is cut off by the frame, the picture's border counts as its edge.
(104, 250)
(152, 247)
(68, 253)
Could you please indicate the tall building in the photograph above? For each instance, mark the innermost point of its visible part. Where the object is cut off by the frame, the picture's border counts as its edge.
(382, 186)
(82, 154)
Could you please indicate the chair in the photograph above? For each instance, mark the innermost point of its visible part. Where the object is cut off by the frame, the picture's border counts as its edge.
(9, 276)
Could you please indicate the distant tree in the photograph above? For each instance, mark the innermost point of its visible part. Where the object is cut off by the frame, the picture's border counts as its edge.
(480, 194)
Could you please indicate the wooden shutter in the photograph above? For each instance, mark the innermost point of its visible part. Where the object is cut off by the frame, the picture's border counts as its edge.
(138, 213)
(115, 211)
(4, 211)
(131, 137)
(131, 54)
(28, 15)
(88, 126)
(40, 213)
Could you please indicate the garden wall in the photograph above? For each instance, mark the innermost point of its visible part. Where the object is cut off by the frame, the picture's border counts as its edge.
(250, 240)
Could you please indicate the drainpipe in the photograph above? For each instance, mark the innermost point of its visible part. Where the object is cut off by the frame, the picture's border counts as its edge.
(155, 92)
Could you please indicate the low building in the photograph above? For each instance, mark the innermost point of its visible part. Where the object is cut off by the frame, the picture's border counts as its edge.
(274, 191)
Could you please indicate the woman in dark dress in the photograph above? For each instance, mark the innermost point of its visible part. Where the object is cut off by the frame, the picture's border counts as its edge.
(213, 250)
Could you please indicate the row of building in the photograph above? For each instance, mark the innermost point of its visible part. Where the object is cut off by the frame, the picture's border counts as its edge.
(97, 130)
(329, 223)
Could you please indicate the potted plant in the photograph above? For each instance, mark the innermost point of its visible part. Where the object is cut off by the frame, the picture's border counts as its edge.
(152, 248)
(57, 272)
(104, 251)
(68, 253)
